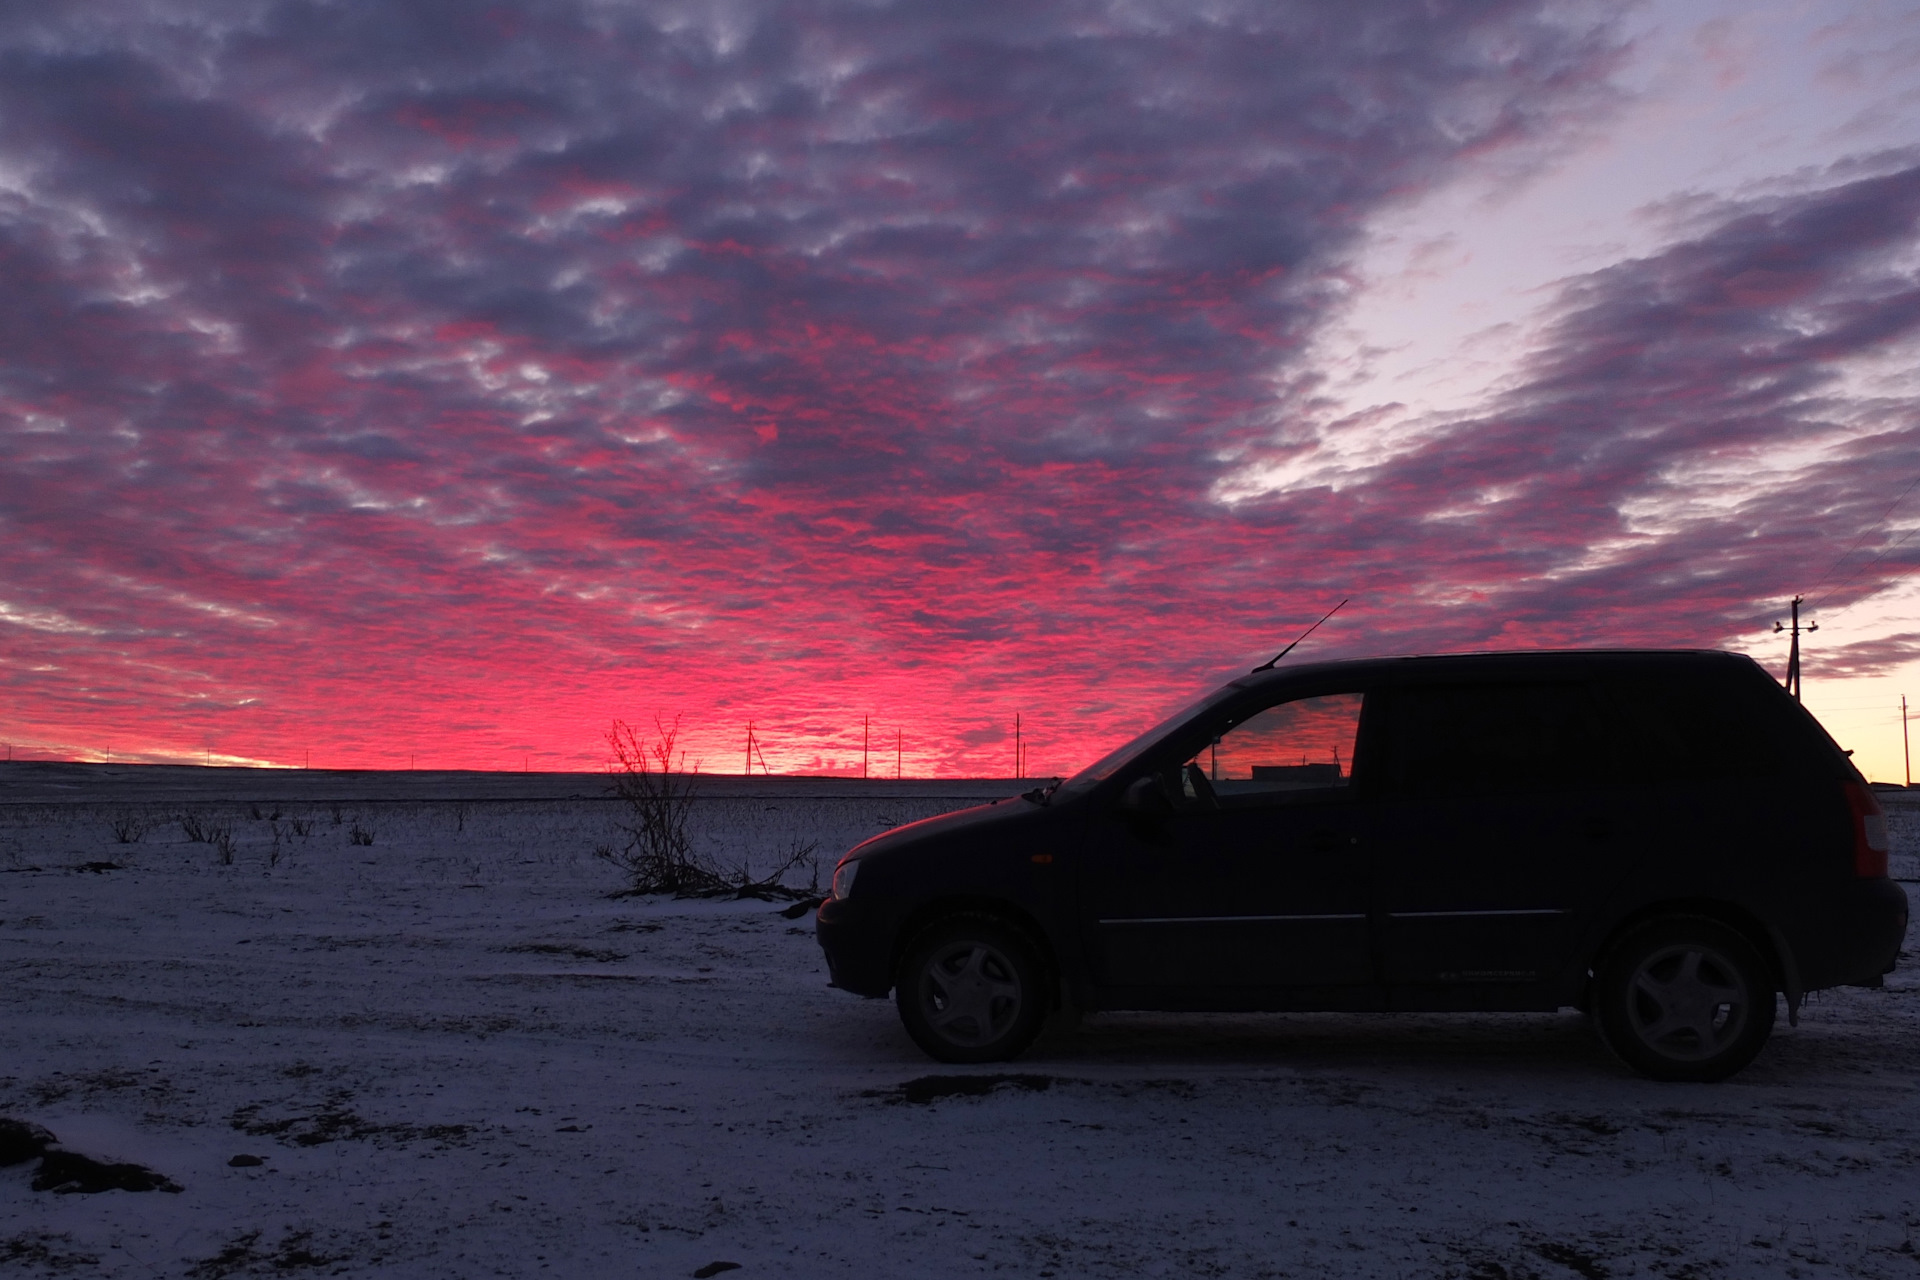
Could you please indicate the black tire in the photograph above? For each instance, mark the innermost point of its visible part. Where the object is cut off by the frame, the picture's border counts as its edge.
(1684, 998)
(970, 989)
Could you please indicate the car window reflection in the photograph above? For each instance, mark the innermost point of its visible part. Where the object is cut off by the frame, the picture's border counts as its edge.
(1283, 753)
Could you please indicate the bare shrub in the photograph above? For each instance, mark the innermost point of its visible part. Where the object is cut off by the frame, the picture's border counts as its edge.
(203, 828)
(358, 834)
(302, 827)
(658, 856)
(130, 827)
(799, 855)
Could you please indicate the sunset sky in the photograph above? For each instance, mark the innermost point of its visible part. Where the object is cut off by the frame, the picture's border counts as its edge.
(441, 381)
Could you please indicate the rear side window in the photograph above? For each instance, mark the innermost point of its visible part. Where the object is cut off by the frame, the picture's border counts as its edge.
(1456, 739)
(1673, 728)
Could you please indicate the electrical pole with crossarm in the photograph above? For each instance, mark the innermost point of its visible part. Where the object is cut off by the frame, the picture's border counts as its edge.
(1792, 681)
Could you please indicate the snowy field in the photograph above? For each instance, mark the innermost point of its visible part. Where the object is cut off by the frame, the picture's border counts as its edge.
(453, 1054)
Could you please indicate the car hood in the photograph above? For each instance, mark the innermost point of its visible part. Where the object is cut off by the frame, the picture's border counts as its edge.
(1011, 809)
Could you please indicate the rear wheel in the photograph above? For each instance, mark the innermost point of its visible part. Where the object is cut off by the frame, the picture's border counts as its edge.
(1684, 998)
(970, 991)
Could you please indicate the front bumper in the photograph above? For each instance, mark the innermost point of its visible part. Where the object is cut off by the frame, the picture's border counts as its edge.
(858, 940)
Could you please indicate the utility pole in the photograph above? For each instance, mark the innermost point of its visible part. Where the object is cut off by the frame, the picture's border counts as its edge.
(1906, 752)
(899, 749)
(1019, 768)
(864, 735)
(1792, 682)
(748, 771)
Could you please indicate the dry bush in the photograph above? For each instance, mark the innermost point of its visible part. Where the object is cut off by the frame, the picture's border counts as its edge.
(131, 827)
(799, 855)
(204, 828)
(658, 856)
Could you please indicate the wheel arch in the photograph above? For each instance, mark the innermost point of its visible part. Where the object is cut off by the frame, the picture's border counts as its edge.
(1767, 942)
(932, 912)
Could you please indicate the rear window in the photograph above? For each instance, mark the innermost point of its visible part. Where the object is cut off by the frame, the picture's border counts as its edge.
(1698, 729)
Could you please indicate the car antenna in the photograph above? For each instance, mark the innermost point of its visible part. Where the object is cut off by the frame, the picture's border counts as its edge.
(1268, 664)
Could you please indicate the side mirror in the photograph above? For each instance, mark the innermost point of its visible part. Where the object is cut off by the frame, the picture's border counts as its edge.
(1145, 795)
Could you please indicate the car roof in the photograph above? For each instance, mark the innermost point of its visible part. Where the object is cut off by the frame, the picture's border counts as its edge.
(1513, 660)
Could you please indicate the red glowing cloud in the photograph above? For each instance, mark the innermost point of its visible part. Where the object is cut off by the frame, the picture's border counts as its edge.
(414, 381)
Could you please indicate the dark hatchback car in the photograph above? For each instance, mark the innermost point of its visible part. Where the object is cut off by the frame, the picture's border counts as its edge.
(1664, 840)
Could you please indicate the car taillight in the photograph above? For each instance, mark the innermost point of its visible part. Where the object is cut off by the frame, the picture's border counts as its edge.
(1869, 832)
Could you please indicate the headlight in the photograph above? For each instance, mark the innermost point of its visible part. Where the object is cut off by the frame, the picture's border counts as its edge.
(843, 877)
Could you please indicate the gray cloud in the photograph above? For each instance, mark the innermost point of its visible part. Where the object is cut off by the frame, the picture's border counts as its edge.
(502, 349)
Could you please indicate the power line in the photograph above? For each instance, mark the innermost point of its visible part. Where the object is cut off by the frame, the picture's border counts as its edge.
(1902, 541)
(1867, 533)
(1869, 564)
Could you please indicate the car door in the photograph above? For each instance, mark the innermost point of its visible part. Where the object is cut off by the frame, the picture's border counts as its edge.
(1496, 830)
(1241, 868)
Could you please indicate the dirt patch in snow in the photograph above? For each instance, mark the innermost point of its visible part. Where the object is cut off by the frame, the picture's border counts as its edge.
(334, 1121)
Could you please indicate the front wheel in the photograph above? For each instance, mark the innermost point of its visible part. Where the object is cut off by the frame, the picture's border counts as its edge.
(1685, 998)
(970, 991)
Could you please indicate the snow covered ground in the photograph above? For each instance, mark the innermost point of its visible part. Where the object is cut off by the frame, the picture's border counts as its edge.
(455, 1055)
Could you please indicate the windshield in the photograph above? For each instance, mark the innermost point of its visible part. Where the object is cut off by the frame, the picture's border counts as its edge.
(1105, 767)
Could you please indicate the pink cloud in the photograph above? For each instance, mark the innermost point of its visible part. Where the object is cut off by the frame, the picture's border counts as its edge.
(386, 384)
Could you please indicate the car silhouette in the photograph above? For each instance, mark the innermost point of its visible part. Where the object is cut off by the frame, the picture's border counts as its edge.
(1663, 839)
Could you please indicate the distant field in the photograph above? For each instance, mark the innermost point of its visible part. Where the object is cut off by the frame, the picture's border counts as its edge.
(58, 782)
(730, 802)
(1903, 830)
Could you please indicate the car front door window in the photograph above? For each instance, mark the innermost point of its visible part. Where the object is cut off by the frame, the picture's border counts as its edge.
(1296, 750)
